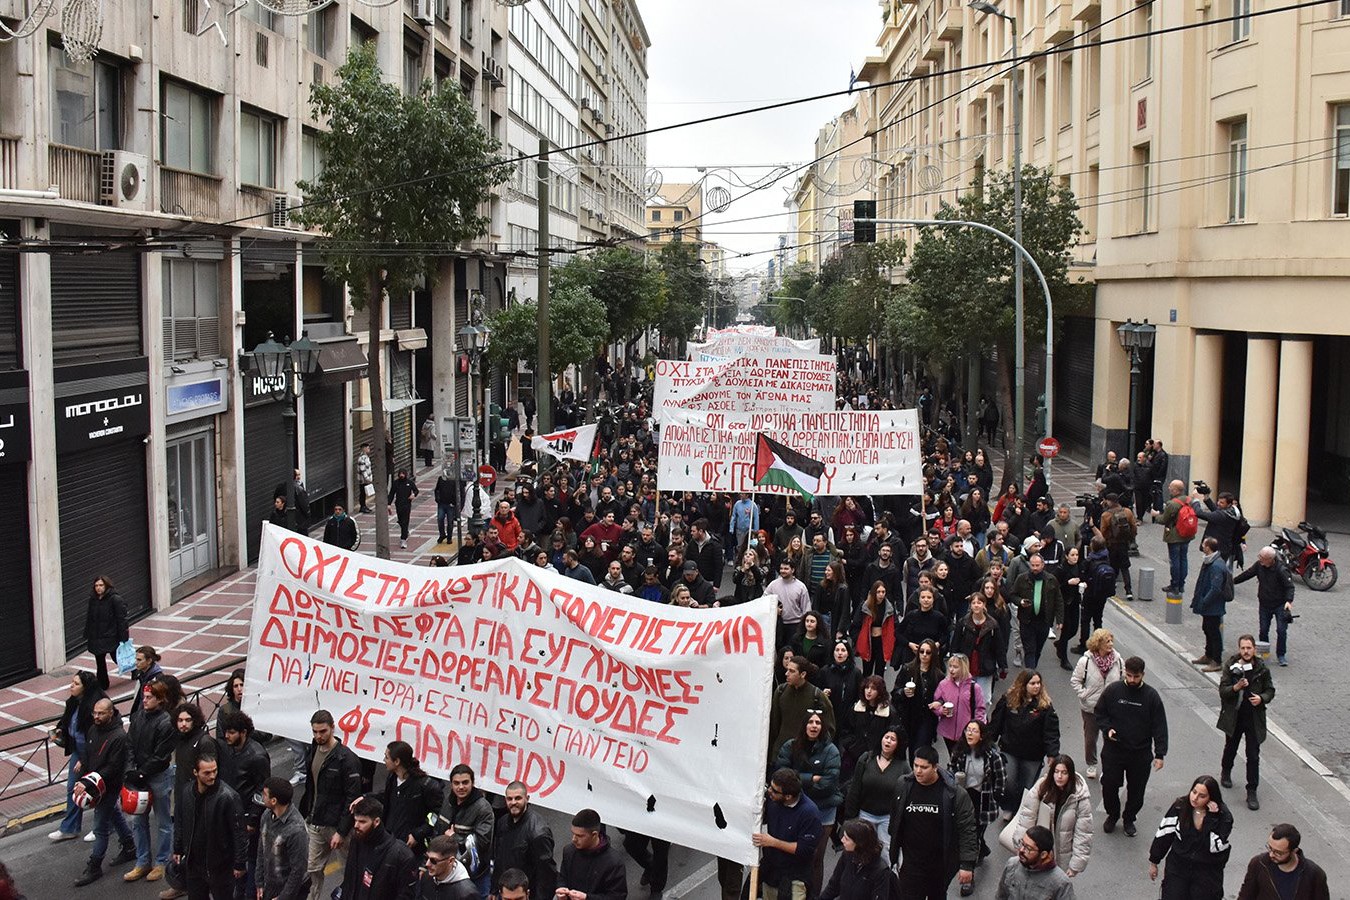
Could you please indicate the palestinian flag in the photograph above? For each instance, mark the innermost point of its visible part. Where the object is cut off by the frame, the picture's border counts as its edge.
(785, 467)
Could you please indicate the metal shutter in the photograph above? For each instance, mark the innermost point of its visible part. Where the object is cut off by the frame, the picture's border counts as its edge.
(400, 385)
(400, 312)
(104, 531)
(1074, 362)
(96, 307)
(18, 651)
(268, 461)
(325, 445)
(9, 310)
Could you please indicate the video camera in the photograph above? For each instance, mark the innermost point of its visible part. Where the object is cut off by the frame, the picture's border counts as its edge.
(1202, 489)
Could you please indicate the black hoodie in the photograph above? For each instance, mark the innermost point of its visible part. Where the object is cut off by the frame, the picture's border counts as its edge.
(1136, 714)
(598, 873)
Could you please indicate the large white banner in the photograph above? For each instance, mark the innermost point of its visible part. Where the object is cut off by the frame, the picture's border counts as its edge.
(745, 384)
(869, 452)
(655, 716)
(729, 346)
(570, 443)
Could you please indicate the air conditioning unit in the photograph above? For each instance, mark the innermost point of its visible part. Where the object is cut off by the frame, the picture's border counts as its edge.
(492, 71)
(609, 129)
(123, 183)
(424, 11)
(584, 103)
(282, 204)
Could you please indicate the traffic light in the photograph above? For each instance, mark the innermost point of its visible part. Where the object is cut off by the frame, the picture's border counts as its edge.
(864, 232)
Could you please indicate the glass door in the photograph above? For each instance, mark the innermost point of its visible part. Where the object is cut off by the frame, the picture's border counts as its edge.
(192, 505)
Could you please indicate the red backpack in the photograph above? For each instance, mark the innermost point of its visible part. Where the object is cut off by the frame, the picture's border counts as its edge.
(1187, 522)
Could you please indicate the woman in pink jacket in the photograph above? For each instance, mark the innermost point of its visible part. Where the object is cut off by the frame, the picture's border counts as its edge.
(957, 700)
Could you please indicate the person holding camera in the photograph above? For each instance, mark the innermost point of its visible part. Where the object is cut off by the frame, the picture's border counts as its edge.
(1274, 597)
(1223, 519)
(1245, 690)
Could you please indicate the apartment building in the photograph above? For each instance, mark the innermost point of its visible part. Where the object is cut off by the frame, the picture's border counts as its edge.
(1205, 190)
(675, 213)
(146, 199)
(841, 171)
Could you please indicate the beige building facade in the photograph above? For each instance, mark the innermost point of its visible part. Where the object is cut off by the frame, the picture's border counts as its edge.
(1206, 191)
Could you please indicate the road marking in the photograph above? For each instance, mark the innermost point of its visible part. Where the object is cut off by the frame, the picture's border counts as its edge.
(1273, 730)
(693, 880)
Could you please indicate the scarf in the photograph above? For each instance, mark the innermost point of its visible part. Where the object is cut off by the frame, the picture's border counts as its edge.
(1104, 663)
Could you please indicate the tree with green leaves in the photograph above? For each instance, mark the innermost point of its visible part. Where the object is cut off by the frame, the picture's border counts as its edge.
(688, 291)
(577, 327)
(404, 180)
(790, 304)
(632, 293)
(960, 301)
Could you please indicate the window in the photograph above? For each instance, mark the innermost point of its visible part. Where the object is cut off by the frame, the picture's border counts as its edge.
(656, 215)
(1343, 9)
(1340, 198)
(466, 18)
(412, 66)
(1038, 101)
(192, 14)
(311, 156)
(1064, 90)
(1142, 178)
(679, 215)
(1242, 23)
(191, 313)
(444, 68)
(188, 128)
(1090, 203)
(1237, 170)
(1143, 47)
(1093, 80)
(262, 15)
(257, 149)
(319, 30)
(86, 103)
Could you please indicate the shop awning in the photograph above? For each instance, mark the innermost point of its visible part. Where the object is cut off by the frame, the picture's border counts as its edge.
(341, 360)
(392, 404)
(411, 338)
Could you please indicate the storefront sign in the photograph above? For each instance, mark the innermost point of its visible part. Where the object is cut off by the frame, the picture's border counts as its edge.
(259, 389)
(101, 403)
(193, 395)
(15, 445)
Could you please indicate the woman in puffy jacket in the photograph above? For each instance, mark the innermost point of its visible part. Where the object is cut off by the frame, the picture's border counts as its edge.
(956, 701)
(874, 630)
(1097, 668)
(980, 639)
(861, 873)
(1194, 835)
(816, 760)
(1026, 727)
(1060, 801)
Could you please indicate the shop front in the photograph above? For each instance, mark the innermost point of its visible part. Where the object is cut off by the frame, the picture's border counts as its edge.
(194, 397)
(18, 649)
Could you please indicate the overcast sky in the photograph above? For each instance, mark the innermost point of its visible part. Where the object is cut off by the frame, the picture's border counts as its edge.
(709, 58)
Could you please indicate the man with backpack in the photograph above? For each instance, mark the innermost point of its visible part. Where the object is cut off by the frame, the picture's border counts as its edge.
(1213, 591)
(1180, 524)
(1101, 584)
(1119, 528)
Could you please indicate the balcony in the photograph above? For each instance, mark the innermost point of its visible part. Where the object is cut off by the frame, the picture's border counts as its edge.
(190, 194)
(9, 162)
(950, 21)
(76, 172)
(1059, 24)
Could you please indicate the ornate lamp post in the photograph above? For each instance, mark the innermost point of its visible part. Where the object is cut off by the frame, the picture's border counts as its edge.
(1137, 339)
(473, 341)
(284, 367)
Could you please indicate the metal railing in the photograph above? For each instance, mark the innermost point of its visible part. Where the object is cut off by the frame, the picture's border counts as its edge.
(9, 162)
(189, 193)
(76, 171)
(23, 755)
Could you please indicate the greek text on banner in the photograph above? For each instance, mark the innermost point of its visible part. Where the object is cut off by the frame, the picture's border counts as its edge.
(656, 716)
(746, 384)
(863, 452)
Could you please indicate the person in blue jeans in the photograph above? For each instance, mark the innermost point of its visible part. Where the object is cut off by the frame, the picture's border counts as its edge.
(1177, 546)
(69, 734)
(152, 741)
(1274, 597)
(106, 754)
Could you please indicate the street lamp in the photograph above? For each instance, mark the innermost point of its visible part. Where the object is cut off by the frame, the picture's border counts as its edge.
(1019, 353)
(283, 367)
(473, 341)
(1137, 339)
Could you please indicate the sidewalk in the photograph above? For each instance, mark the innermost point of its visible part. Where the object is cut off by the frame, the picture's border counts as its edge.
(201, 632)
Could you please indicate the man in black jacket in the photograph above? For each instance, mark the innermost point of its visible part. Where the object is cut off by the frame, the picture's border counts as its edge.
(152, 741)
(444, 878)
(591, 868)
(401, 494)
(468, 816)
(1274, 598)
(447, 503)
(332, 776)
(379, 867)
(105, 754)
(1131, 718)
(209, 839)
(341, 529)
(933, 830)
(523, 841)
(283, 848)
(245, 766)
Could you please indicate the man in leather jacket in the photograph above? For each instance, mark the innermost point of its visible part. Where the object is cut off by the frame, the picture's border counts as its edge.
(332, 776)
(379, 866)
(523, 841)
(209, 839)
(152, 742)
(245, 765)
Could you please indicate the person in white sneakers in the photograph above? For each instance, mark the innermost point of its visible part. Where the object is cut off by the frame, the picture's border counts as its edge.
(1096, 668)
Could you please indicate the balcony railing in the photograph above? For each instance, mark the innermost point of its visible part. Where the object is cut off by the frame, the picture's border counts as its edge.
(76, 172)
(9, 162)
(255, 206)
(189, 193)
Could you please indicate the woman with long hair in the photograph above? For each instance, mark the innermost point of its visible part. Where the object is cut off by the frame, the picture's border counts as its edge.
(1097, 668)
(1060, 801)
(861, 872)
(871, 791)
(1026, 727)
(978, 767)
(411, 797)
(956, 701)
(854, 553)
(874, 626)
(868, 719)
(976, 511)
(1006, 501)
(749, 577)
(1072, 577)
(925, 623)
(811, 639)
(105, 626)
(1193, 837)
(833, 598)
(978, 636)
(840, 680)
(915, 686)
(816, 760)
(232, 702)
(69, 734)
(592, 558)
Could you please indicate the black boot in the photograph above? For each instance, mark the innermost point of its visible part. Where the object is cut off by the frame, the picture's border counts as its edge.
(92, 872)
(1226, 778)
(125, 855)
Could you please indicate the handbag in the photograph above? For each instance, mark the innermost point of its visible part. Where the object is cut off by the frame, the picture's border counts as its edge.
(368, 490)
(1005, 837)
(126, 657)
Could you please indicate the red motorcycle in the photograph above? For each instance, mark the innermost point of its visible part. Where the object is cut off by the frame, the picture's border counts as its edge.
(1308, 557)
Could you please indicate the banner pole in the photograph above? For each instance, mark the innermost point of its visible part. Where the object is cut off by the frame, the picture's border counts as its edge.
(754, 883)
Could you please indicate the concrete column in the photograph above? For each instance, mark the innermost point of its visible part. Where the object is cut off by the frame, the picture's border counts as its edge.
(232, 453)
(1291, 432)
(1110, 391)
(444, 340)
(1172, 373)
(1258, 447)
(157, 482)
(1207, 406)
(44, 517)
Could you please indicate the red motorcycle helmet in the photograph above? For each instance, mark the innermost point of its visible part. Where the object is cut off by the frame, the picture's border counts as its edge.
(135, 802)
(93, 791)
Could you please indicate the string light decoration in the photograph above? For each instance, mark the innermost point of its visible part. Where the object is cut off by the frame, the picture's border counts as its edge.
(292, 7)
(81, 29)
(31, 22)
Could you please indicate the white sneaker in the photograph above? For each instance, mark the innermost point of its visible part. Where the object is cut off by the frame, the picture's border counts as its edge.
(403, 545)
(89, 838)
(59, 835)
(1091, 771)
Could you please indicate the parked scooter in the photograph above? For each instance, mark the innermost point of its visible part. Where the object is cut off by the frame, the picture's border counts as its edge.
(1307, 557)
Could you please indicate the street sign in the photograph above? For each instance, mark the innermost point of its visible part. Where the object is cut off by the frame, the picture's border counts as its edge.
(1048, 447)
(486, 475)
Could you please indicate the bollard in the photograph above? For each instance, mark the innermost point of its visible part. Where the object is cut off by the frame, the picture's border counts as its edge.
(1263, 649)
(1174, 611)
(1143, 585)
